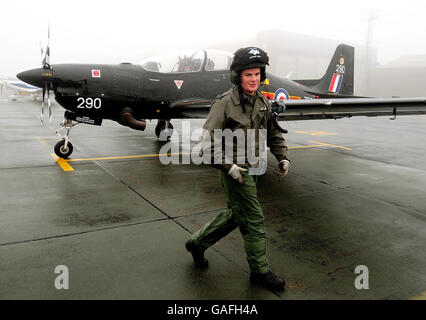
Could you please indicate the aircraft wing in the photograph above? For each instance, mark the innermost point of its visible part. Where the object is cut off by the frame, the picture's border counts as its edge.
(348, 107)
(195, 108)
(309, 109)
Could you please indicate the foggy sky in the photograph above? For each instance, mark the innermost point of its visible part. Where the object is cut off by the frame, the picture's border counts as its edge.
(92, 31)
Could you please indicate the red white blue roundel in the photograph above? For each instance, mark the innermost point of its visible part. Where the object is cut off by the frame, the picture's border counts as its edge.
(281, 94)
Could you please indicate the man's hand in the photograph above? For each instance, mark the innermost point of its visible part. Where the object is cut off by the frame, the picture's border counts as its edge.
(284, 165)
(235, 172)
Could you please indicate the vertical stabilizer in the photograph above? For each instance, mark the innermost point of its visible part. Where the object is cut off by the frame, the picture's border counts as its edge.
(339, 77)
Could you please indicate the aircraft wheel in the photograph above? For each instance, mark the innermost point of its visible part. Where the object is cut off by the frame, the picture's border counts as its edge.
(61, 151)
(161, 125)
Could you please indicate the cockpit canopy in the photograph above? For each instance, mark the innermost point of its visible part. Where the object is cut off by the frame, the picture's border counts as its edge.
(189, 61)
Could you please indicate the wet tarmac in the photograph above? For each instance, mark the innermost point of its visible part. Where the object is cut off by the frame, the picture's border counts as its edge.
(118, 219)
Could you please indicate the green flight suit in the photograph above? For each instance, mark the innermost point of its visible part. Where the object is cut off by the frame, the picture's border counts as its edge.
(244, 209)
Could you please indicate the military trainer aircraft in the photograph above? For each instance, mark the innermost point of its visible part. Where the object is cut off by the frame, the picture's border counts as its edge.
(184, 84)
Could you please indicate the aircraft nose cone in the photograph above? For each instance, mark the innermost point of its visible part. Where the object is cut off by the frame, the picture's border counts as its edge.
(36, 77)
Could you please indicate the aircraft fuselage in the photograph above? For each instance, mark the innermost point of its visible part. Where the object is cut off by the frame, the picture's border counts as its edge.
(102, 91)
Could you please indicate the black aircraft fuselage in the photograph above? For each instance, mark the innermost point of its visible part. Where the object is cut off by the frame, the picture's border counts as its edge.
(151, 95)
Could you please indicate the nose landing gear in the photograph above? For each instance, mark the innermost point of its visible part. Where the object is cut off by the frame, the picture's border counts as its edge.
(64, 148)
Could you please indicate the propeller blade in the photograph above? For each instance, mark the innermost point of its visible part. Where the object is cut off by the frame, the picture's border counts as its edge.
(42, 106)
(49, 105)
(46, 59)
(47, 85)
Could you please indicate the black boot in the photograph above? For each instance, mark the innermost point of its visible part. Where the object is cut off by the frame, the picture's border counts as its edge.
(268, 280)
(197, 254)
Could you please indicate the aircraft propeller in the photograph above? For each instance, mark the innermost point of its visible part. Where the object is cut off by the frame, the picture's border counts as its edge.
(47, 83)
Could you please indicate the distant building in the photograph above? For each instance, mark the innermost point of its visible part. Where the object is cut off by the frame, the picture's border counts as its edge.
(404, 76)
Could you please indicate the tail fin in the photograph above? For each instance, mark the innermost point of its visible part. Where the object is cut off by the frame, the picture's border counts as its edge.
(339, 77)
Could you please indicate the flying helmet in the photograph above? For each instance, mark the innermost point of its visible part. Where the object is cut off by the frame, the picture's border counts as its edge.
(247, 58)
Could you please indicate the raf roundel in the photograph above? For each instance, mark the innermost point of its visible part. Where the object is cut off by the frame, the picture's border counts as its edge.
(281, 94)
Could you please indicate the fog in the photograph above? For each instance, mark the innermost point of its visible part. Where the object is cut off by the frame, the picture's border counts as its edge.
(115, 31)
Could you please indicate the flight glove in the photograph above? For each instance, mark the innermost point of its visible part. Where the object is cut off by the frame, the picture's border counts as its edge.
(284, 165)
(235, 172)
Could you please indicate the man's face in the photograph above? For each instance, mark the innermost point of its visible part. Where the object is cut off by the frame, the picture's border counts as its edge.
(250, 80)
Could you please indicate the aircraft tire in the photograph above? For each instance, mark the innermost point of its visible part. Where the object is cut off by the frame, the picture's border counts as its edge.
(61, 152)
(161, 125)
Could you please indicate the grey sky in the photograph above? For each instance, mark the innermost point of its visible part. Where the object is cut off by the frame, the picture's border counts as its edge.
(92, 31)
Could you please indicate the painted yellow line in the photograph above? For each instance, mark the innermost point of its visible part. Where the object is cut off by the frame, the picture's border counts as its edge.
(316, 133)
(331, 145)
(420, 296)
(126, 157)
(62, 163)
(308, 146)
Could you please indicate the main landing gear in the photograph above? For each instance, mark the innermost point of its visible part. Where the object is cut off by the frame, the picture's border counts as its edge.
(166, 126)
(64, 148)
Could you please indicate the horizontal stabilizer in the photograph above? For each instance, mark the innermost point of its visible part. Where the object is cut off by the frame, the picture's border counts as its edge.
(348, 107)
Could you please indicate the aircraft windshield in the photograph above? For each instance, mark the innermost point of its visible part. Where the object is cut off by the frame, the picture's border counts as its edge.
(188, 61)
(218, 60)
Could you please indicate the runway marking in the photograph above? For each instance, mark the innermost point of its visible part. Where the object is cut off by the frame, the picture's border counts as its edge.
(126, 157)
(420, 296)
(331, 145)
(306, 147)
(64, 163)
(316, 133)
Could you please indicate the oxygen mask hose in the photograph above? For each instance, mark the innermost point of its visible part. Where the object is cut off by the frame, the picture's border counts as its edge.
(277, 108)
